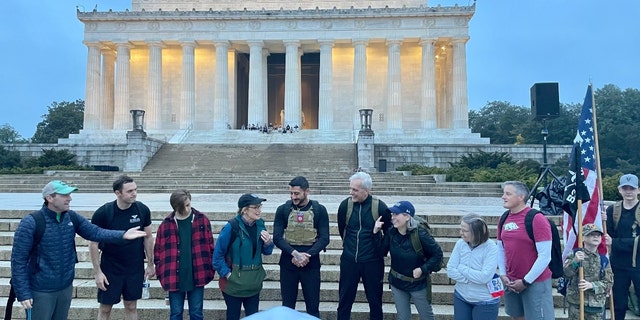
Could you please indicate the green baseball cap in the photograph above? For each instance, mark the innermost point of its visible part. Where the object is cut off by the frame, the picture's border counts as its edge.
(57, 186)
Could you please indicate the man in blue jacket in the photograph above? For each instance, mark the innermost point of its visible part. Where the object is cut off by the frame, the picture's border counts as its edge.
(43, 277)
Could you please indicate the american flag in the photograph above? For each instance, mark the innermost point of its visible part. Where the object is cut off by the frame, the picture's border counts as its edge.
(584, 145)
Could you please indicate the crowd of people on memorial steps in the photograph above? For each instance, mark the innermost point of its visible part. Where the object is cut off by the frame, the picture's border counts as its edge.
(512, 268)
(271, 128)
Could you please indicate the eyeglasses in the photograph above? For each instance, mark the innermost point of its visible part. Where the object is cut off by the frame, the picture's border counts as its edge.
(594, 235)
(257, 207)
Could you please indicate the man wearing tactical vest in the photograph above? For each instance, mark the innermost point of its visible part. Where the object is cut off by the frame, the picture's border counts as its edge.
(362, 254)
(623, 228)
(301, 231)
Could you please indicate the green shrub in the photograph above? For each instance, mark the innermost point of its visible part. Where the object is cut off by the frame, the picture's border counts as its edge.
(482, 159)
(52, 157)
(9, 158)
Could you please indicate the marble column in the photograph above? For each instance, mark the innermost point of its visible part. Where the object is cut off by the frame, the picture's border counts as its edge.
(460, 99)
(359, 80)
(265, 86)
(325, 103)
(292, 96)
(394, 85)
(221, 100)
(254, 113)
(121, 117)
(92, 103)
(428, 114)
(154, 91)
(188, 97)
(107, 99)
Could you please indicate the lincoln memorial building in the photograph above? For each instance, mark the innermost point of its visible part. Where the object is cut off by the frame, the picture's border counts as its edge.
(203, 70)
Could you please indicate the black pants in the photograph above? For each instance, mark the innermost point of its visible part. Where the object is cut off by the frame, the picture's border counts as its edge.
(622, 279)
(372, 274)
(234, 305)
(309, 278)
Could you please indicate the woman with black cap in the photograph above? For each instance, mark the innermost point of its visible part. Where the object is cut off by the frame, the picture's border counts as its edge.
(415, 254)
(238, 257)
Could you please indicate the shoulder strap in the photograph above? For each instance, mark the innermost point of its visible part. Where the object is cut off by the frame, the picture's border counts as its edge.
(528, 223)
(375, 202)
(638, 214)
(415, 241)
(39, 232)
(234, 231)
(503, 218)
(315, 206)
(617, 211)
(349, 210)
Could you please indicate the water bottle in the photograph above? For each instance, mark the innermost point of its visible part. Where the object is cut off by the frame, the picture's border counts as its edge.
(145, 288)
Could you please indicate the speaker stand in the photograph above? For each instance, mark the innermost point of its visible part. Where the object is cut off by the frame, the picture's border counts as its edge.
(545, 169)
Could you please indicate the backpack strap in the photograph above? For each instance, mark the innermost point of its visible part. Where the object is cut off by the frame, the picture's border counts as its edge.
(528, 223)
(617, 212)
(235, 228)
(415, 241)
(375, 203)
(503, 218)
(39, 232)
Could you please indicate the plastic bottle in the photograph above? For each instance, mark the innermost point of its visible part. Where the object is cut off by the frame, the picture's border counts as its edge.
(145, 288)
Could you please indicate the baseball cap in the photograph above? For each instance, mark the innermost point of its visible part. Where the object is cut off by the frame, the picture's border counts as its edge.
(57, 186)
(629, 180)
(248, 199)
(403, 207)
(590, 228)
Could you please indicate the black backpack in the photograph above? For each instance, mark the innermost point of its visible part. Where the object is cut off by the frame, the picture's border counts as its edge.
(555, 265)
(38, 216)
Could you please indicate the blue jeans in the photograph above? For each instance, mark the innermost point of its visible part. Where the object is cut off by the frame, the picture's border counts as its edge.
(194, 298)
(465, 310)
(403, 303)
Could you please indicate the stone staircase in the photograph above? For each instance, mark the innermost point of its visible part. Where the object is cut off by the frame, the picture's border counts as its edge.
(208, 182)
(84, 306)
(238, 158)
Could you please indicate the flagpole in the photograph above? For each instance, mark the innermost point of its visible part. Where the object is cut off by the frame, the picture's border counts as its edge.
(599, 181)
(580, 268)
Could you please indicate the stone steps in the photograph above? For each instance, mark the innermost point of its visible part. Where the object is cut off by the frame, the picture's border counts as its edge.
(152, 182)
(444, 227)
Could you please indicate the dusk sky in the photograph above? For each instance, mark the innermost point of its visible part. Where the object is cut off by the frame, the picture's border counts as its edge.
(513, 45)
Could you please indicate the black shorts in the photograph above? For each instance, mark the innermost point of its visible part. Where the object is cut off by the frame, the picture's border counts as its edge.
(129, 286)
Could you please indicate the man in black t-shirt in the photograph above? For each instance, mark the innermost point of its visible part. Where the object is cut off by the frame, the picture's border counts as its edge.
(119, 268)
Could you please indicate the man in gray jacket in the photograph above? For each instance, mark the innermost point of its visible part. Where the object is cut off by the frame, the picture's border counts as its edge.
(42, 271)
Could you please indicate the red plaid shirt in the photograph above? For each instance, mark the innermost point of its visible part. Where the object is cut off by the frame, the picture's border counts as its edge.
(166, 251)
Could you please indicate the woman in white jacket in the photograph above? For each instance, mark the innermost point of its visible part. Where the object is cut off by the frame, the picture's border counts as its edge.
(473, 266)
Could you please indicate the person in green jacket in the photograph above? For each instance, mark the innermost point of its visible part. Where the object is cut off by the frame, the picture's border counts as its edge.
(238, 257)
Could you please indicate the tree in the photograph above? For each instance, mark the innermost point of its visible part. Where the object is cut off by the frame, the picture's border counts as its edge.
(9, 135)
(618, 115)
(504, 123)
(63, 119)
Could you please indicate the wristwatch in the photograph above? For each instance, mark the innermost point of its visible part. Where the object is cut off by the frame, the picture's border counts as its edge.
(525, 282)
